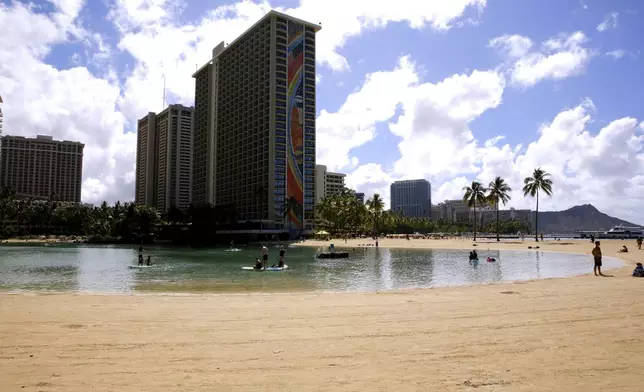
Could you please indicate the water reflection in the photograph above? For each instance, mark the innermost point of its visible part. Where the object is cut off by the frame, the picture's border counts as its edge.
(106, 269)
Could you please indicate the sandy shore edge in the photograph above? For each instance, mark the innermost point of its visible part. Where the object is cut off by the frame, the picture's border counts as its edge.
(560, 334)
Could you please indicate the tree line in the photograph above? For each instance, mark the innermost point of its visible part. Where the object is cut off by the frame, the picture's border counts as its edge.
(343, 214)
(498, 192)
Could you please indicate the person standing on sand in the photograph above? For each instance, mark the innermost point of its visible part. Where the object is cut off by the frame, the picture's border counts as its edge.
(597, 255)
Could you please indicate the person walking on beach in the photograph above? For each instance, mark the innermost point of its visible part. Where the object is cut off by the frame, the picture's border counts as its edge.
(597, 255)
(265, 256)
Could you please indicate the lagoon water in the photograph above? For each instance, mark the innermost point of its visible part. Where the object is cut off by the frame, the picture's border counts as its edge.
(105, 269)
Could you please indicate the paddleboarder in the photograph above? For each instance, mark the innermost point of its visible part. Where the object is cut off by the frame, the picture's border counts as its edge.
(265, 256)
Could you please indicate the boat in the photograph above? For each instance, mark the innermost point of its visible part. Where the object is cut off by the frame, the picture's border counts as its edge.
(623, 232)
(333, 255)
(274, 269)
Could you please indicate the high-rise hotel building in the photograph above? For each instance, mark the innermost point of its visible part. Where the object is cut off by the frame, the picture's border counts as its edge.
(254, 131)
(411, 198)
(164, 159)
(42, 167)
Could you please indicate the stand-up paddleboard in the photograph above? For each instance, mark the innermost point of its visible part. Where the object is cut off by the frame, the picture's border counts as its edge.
(139, 266)
(233, 250)
(265, 269)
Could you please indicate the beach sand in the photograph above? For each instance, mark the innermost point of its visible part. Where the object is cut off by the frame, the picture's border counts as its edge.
(573, 334)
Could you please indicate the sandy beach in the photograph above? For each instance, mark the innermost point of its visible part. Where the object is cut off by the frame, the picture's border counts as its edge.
(573, 334)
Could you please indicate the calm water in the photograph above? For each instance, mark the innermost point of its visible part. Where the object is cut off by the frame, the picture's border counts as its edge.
(105, 269)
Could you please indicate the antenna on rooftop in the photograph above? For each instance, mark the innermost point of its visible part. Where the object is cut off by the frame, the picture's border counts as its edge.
(163, 107)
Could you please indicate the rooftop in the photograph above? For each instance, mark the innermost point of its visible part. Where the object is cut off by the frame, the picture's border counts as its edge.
(42, 138)
(315, 27)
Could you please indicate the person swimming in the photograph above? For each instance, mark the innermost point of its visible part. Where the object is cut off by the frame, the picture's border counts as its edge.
(491, 259)
(148, 261)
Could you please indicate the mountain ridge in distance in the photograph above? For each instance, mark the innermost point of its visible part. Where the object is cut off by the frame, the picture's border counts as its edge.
(583, 217)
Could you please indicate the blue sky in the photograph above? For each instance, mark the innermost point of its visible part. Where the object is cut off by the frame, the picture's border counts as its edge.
(454, 95)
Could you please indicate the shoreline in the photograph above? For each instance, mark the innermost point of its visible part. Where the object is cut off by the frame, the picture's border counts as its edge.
(556, 334)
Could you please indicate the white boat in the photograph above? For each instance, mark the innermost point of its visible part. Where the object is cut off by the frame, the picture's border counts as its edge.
(623, 232)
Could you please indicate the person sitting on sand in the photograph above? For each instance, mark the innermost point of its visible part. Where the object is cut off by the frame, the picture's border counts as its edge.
(140, 259)
(258, 264)
(148, 261)
(623, 250)
(638, 271)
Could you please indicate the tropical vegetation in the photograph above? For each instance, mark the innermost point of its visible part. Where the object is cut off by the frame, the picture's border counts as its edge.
(50, 217)
(340, 214)
(539, 181)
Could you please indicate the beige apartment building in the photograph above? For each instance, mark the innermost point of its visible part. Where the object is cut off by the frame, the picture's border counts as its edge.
(328, 183)
(42, 167)
(254, 131)
(164, 159)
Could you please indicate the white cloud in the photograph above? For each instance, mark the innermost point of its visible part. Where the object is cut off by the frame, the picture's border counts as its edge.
(151, 27)
(69, 104)
(354, 123)
(588, 166)
(513, 46)
(616, 54)
(558, 58)
(95, 108)
(602, 168)
(431, 121)
(610, 22)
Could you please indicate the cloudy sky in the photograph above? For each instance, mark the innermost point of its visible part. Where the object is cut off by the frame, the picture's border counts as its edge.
(449, 91)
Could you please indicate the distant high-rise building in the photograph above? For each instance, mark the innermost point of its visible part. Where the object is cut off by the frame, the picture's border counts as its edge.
(254, 134)
(42, 167)
(327, 183)
(164, 159)
(360, 197)
(411, 198)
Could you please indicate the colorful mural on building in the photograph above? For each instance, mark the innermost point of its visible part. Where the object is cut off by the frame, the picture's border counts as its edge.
(295, 125)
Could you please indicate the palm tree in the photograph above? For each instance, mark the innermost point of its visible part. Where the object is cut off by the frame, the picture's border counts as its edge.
(531, 186)
(498, 193)
(375, 205)
(474, 193)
